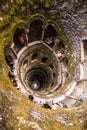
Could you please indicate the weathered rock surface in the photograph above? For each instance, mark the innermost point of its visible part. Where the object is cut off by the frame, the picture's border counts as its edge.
(16, 111)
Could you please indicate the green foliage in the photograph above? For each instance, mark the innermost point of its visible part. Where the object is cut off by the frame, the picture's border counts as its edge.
(54, 17)
(46, 3)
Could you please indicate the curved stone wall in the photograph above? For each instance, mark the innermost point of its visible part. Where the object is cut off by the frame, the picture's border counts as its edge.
(66, 104)
(41, 68)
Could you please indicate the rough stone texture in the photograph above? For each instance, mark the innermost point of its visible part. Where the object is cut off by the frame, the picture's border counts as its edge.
(16, 112)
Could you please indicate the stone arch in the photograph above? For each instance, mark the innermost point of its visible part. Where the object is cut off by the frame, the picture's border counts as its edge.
(50, 34)
(35, 29)
(19, 39)
(60, 46)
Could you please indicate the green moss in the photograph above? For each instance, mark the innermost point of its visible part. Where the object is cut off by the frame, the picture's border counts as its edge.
(19, 1)
(14, 106)
(45, 3)
(33, 5)
(6, 113)
(54, 17)
(23, 8)
(18, 20)
(48, 4)
(0, 98)
(6, 20)
(12, 9)
(41, 1)
(34, 16)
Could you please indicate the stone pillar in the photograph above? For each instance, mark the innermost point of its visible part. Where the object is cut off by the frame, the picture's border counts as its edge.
(82, 60)
(82, 51)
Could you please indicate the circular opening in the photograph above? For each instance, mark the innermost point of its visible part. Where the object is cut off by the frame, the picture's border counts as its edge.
(34, 56)
(19, 39)
(25, 62)
(37, 79)
(44, 59)
(51, 66)
(37, 75)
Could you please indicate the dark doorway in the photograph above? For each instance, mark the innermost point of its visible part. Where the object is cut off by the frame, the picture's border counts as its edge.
(49, 35)
(35, 31)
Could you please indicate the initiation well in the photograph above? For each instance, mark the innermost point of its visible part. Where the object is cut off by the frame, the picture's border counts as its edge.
(39, 63)
(39, 66)
(24, 98)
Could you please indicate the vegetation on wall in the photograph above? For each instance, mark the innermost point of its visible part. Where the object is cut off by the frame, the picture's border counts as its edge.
(16, 111)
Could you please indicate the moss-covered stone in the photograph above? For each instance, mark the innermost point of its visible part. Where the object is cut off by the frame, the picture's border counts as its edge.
(16, 111)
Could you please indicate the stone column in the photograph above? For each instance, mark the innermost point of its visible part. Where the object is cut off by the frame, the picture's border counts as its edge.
(82, 51)
(82, 60)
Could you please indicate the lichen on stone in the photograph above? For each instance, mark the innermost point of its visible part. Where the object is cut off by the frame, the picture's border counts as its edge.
(15, 109)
